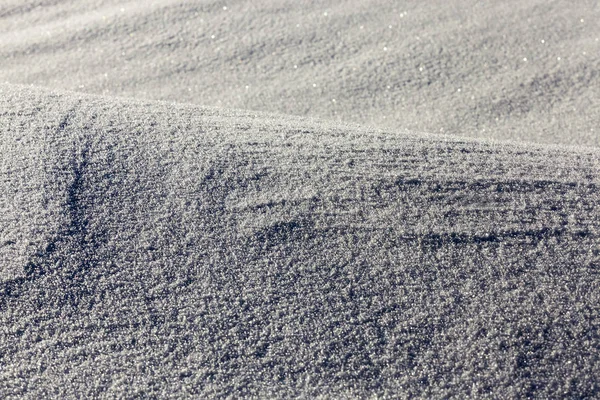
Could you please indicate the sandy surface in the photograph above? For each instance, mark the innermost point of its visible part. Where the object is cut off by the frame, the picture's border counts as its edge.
(526, 70)
(248, 237)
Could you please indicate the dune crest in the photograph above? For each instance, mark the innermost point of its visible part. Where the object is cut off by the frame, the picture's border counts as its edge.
(164, 249)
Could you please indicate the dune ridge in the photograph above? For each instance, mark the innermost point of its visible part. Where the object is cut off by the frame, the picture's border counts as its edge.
(168, 250)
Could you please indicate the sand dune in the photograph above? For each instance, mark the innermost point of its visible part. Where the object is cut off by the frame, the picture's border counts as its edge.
(316, 199)
(166, 250)
(523, 70)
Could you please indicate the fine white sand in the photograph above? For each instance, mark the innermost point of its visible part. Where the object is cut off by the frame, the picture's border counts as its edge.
(267, 242)
(507, 69)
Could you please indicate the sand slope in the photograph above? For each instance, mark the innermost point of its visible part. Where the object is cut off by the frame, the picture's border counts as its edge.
(524, 70)
(171, 250)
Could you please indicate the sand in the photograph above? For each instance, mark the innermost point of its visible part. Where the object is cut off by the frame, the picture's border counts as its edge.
(166, 232)
(519, 70)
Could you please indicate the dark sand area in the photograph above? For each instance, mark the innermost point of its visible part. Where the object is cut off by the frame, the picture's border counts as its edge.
(166, 232)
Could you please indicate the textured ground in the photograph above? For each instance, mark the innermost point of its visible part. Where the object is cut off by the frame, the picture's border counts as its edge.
(152, 248)
(510, 69)
(210, 245)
